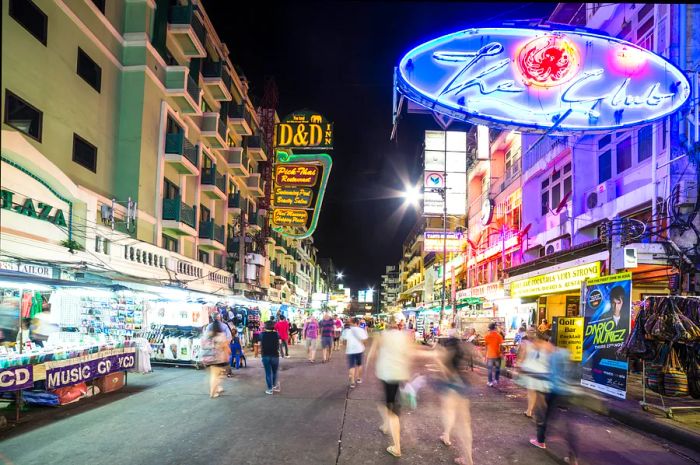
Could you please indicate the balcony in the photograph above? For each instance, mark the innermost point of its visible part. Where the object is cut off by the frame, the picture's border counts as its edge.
(216, 80)
(237, 160)
(182, 89)
(234, 203)
(181, 154)
(187, 30)
(213, 184)
(256, 147)
(213, 130)
(211, 236)
(255, 221)
(232, 244)
(254, 185)
(179, 218)
(240, 119)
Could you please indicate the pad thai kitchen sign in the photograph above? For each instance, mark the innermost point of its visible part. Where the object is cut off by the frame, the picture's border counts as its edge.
(536, 79)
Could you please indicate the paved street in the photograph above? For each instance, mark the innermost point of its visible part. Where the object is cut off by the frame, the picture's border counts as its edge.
(167, 418)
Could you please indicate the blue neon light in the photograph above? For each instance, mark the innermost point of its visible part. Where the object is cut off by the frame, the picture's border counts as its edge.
(527, 78)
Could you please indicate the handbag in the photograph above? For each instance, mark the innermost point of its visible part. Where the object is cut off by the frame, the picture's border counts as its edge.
(675, 379)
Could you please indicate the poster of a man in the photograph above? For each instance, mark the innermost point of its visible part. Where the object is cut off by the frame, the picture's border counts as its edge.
(619, 308)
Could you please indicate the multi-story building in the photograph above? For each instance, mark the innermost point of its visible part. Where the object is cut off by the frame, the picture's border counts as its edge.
(391, 287)
(132, 123)
(411, 268)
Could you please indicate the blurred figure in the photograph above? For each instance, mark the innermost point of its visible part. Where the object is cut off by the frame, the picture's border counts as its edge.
(337, 331)
(533, 368)
(327, 327)
(394, 354)
(282, 328)
(23, 333)
(562, 391)
(256, 343)
(493, 342)
(310, 333)
(363, 324)
(453, 386)
(544, 326)
(270, 349)
(452, 332)
(522, 331)
(354, 338)
(215, 355)
(540, 380)
(294, 334)
(236, 350)
(472, 339)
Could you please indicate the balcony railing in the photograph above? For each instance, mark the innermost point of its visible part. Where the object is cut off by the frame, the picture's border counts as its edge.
(234, 200)
(210, 230)
(211, 177)
(193, 89)
(176, 210)
(255, 142)
(240, 112)
(184, 14)
(212, 69)
(177, 143)
(221, 128)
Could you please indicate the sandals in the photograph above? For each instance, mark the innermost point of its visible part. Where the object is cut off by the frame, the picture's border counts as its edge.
(525, 413)
(462, 461)
(392, 450)
(384, 431)
(445, 441)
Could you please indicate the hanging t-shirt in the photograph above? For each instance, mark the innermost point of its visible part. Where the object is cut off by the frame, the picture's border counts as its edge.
(26, 305)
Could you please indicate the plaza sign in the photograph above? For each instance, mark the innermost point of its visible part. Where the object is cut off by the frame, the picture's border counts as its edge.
(304, 129)
(537, 79)
(31, 208)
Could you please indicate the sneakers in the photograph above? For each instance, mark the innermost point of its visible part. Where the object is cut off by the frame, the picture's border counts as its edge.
(352, 385)
(268, 392)
(489, 384)
(276, 387)
(536, 443)
(358, 381)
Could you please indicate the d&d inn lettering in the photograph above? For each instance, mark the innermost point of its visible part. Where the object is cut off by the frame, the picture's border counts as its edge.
(296, 175)
(304, 129)
(32, 209)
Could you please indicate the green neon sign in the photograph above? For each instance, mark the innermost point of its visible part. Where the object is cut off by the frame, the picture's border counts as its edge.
(300, 223)
(31, 208)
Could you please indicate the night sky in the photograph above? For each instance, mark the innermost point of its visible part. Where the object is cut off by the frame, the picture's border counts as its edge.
(337, 58)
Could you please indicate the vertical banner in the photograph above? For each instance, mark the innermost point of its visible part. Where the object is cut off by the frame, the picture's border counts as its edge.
(569, 333)
(607, 323)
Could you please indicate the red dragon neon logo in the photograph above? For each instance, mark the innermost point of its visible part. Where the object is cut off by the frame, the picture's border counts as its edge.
(548, 61)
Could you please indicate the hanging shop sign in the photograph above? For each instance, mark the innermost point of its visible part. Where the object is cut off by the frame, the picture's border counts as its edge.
(304, 129)
(607, 324)
(563, 280)
(296, 197)
(32, 208)
(29, 268)
(299, 183)
(73, 371)
(582, 81)
(490, 291)
(16, 378)
(570, 336)
(437, 241)
(434, 180)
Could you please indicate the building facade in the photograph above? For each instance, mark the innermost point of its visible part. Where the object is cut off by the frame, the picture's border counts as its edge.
(391, 287)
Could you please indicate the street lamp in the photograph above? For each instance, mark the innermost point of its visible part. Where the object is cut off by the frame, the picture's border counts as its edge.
(411, 195)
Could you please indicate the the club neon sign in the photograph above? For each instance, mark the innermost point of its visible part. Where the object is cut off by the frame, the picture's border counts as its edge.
(532, 78)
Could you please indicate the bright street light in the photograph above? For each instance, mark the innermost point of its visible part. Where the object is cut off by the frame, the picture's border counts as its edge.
(339, 275)
(412, 195)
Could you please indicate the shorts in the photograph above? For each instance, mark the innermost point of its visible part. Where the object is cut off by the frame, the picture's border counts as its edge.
(354, 360)
(326, 342)
(310, 343)
(391, 395)
(336, 336)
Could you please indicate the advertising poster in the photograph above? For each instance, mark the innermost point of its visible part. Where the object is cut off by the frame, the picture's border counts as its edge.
(569, 333)
(607, 323)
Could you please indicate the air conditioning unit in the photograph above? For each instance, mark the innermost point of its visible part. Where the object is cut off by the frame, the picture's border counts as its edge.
(557, 246)
(601, 195)
(687, 193)
(171, 264)
(255, 259)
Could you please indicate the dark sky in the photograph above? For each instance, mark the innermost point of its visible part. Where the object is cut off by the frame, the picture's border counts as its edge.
(337, 58)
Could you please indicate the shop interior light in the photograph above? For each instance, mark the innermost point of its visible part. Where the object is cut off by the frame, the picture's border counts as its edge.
(91, 292)
(24, 285)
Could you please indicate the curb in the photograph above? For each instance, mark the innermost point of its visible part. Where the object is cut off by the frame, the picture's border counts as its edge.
(639, 421)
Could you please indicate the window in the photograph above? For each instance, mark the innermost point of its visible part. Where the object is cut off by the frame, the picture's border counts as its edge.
(170, 190)
(100, 4)
(603, 141)
(204, 213)
(604, 167)
(22, 116)
(89, 70)
(203, 256)
(30, 17)
(624, 155)
(84, 153)
(169, 243)
(556, 195)
(644, 143)
(545, 203)
(555, 187)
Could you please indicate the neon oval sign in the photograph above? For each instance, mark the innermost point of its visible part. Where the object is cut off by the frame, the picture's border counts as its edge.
(530, 79)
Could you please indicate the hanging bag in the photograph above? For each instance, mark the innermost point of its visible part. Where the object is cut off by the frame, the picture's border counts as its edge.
(675, 378)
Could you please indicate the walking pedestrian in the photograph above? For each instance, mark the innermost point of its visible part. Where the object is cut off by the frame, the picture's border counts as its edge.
(215, 356)
(472, 339)
(270, 349)
(354, 338)
(493, 342)
(394, 354)
(337, 330)
(310, 333)
(327, 326)
(532, 367)
(294, 334)
(236, 350)
(282, 328)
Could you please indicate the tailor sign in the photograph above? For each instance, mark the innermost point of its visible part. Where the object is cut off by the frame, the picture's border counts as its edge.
(437, 241)
(532, 78)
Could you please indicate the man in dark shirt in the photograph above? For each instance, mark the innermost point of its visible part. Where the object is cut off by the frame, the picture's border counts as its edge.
(327, 326)
(270, 349)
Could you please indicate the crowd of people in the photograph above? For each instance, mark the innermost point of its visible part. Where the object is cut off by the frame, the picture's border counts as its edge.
(543, 369)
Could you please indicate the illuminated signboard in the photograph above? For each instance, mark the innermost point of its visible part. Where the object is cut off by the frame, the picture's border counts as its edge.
(530, 78)
(304, 129)
(445, 168)
(299, 183)
(433, 241)
(568, 279)
(488, 291)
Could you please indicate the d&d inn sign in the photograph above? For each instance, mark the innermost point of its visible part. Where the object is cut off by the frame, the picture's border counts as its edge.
(304, 129)
(540, 79)
(32, 208)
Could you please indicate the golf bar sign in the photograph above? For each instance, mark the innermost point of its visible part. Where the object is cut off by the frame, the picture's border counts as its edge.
(537, 79)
